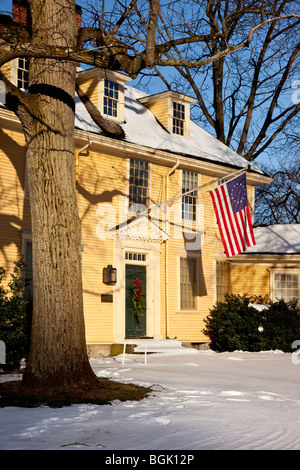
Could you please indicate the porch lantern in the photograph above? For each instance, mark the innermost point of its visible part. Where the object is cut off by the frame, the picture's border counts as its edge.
(109, 275)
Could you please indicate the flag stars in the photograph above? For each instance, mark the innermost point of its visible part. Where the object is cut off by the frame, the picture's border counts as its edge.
(238, 193)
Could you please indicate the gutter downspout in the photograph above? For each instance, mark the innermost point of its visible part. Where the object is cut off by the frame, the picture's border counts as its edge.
(167, 256)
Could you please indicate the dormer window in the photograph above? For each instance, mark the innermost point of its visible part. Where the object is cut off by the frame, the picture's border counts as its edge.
(178, 118)
(19, 73)
(22, 73)
(111, 94)
(172, 110)
(111, 97)
(105, 89)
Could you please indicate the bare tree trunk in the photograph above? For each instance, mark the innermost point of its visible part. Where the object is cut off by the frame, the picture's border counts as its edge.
(58, 357)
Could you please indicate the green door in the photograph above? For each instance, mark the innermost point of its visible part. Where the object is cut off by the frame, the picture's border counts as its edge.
(134, 327)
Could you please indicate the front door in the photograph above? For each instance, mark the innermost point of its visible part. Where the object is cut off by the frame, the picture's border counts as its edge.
(134, 327)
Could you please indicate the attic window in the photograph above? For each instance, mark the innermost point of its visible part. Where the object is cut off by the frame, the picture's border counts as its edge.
(111, 97)
(172, 110)
(22, 73)
(178, 118)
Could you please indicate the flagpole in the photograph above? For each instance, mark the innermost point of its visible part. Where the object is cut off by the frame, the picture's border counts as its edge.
(235, 173)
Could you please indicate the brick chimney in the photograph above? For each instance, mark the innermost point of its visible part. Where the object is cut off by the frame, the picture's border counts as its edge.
(78, 15)
(21, 13)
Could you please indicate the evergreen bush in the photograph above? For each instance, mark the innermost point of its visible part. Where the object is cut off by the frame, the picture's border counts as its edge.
(14, 317)
(281, 325)
(235, 324)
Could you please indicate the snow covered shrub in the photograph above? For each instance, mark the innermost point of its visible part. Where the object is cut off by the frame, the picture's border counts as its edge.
(234, 325)
(14, 330)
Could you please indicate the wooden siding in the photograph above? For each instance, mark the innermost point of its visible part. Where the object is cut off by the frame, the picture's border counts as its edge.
(252, 280)
(99, 187)
(14, 207)
(90, 88)
(160, 110)
(6, 70)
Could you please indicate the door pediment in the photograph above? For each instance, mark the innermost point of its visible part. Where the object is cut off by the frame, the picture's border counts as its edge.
(140, 228)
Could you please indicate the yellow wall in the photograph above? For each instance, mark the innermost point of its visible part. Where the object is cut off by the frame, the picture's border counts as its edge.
(6, 70)
(98, 183)
(160, 111)
(252, 280)
(14, 207)
(90, 88)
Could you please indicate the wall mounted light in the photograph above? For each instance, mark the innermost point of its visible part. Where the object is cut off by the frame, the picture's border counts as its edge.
(109, 275)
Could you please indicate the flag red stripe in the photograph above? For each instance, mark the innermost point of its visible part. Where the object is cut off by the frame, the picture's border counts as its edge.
(235, 229)
(224, 226)
(232, 235)
(213, 195)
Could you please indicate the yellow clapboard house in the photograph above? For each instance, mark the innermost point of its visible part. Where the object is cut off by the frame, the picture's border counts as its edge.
(136, 225)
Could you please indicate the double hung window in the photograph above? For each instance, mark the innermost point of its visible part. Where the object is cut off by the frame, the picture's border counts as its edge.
(111, 97)
(188, 283)
(138, 183)
(223, 283)
(189, 202)
(22, 73)
(178, 118)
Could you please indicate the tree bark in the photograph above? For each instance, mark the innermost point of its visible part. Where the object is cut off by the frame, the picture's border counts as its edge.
(56, 233)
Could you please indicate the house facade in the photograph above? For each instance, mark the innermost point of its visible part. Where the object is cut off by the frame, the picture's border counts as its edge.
(136, 222)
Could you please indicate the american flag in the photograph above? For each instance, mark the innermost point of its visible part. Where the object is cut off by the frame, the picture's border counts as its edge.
(231, 207)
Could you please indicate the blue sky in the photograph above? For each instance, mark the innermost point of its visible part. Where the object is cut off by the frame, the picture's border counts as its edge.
(5, 5)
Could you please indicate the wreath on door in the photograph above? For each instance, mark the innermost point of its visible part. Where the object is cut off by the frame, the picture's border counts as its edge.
(138, 300)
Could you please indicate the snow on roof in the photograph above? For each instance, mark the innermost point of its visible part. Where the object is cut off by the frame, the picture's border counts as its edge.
(281, 239)
(142, 128)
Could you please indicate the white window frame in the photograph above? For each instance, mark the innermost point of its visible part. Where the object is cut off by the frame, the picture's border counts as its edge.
(179, 118)
(111, 98)
(196, 258)
(197, 200)
(282, 271)
(14, 72)
(120, 79)
(132, 209)
(216, 278)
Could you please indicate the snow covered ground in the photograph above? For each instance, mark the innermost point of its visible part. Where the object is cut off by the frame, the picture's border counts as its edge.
(200, 400)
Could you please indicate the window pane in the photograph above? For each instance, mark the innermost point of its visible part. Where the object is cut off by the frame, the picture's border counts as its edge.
(286, 286)
(111, 96)
(135, 256)
(189, 181)
(138, 182)
(178, 118)
(222, 279)
(188, 283)
(22, 73)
